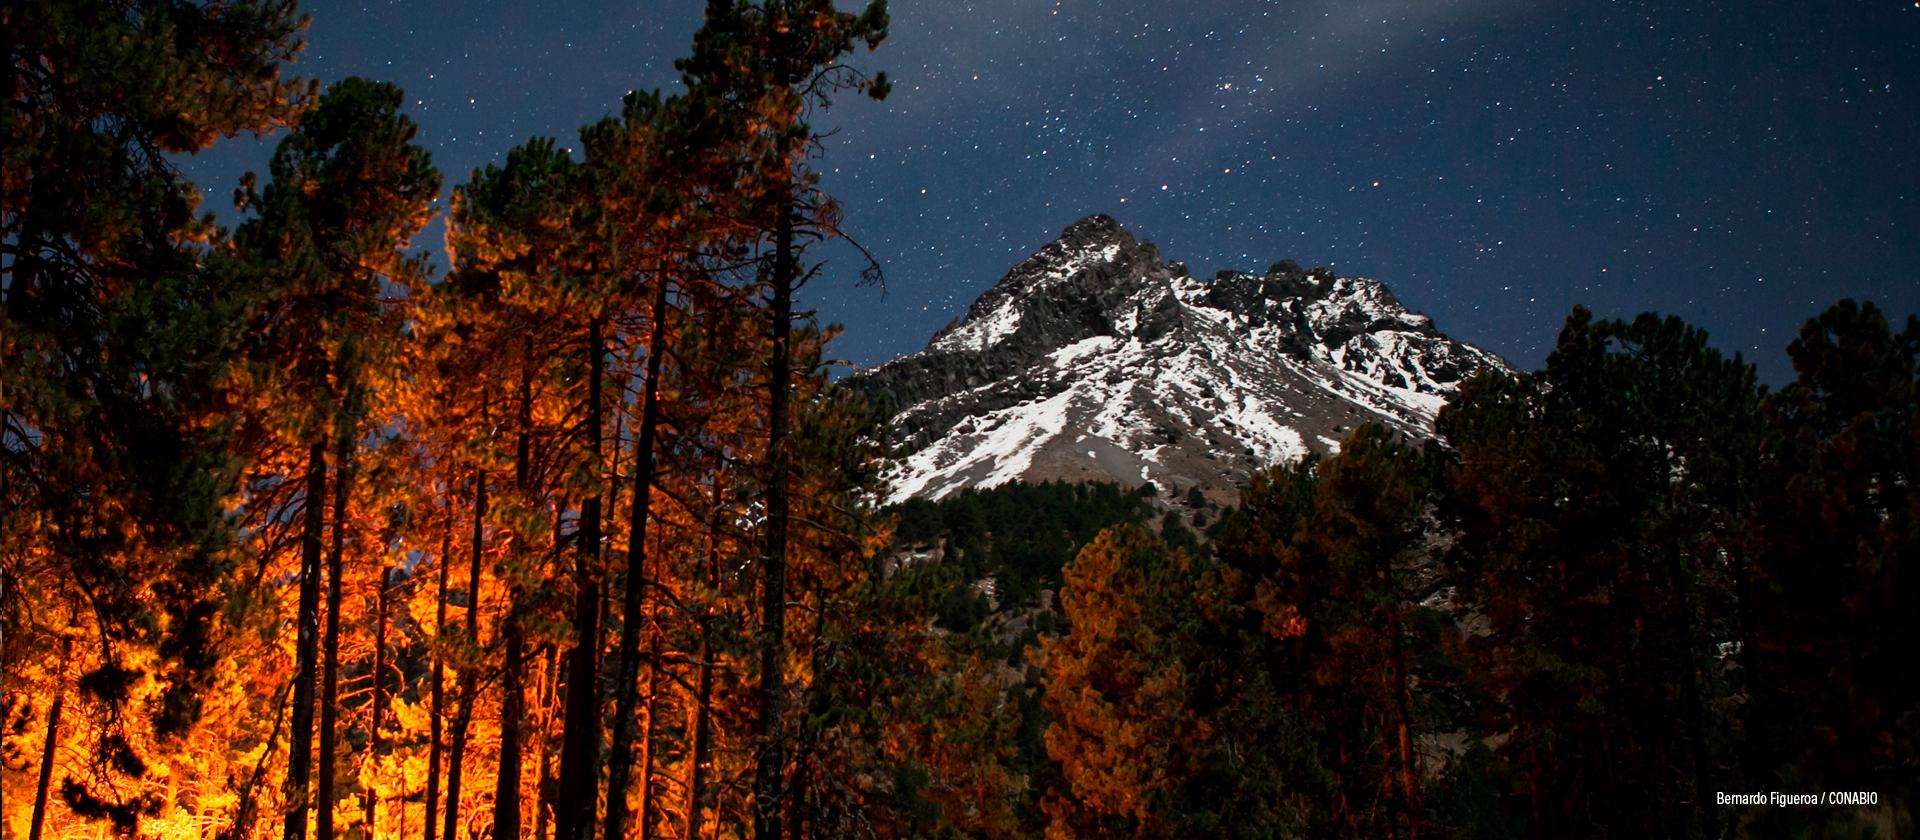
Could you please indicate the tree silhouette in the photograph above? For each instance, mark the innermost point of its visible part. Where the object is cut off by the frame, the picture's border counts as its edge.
(1596, 502)
(1825, 619)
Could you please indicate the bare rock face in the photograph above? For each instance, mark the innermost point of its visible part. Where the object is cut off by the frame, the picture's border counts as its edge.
(1095, 359)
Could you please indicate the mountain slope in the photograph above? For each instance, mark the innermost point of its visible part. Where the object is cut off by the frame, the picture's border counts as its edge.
(1094, 359)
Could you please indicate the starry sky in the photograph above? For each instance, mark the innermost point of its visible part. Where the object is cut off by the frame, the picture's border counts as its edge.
(1495, 162)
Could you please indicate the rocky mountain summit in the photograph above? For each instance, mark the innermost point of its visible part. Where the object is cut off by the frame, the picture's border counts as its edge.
(1095, 359)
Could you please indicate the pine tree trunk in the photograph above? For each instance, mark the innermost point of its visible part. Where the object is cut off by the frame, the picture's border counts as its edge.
(648, 735)
(800, 805)
(47, 750)
(300, 745)
(1409, 786)
(696, 773)
(468, 675)
(379, 673)
(1690, 682)
(703, 684)
(797, 795)
(771, 764)
(547, 784)
(439, 707)
(462, 720)
(330, 676)
(580, 743)
(620, 764)
(506, 789)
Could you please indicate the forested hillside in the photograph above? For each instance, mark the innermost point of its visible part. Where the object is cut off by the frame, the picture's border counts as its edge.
(301, 538)
(1614, 592)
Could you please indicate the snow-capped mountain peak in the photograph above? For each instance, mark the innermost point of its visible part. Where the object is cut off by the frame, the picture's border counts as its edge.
(1094, 359)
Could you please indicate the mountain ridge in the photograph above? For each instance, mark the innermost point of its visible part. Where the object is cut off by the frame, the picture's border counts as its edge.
(1096, 359)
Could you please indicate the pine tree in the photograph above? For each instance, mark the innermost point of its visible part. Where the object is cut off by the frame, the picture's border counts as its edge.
(515, 248)
(1305, 653)
(764, 59)
(115, 338)
(1826, 618)
(1121, 687)
(348, 193)
(1596, 503)
(449, 418)
(971, 712)
(649, 173)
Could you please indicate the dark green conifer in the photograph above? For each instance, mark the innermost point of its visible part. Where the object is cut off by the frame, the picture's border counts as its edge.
(1318, 628)
(1827, 623)
(1597, 503)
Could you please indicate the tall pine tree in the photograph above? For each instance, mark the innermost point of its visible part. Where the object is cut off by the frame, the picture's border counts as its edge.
(1826, 618)
(114, 343)
(1596, 503)
(349, 191)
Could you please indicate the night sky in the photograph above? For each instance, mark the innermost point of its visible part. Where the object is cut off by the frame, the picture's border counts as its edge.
(1494, 162)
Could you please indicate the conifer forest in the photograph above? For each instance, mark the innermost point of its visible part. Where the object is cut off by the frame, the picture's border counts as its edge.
(303, 538)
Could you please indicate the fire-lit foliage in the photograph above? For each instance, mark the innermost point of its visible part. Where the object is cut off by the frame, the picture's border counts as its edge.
(298, 535)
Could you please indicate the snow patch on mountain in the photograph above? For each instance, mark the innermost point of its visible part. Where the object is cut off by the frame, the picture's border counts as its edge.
(982, 333)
